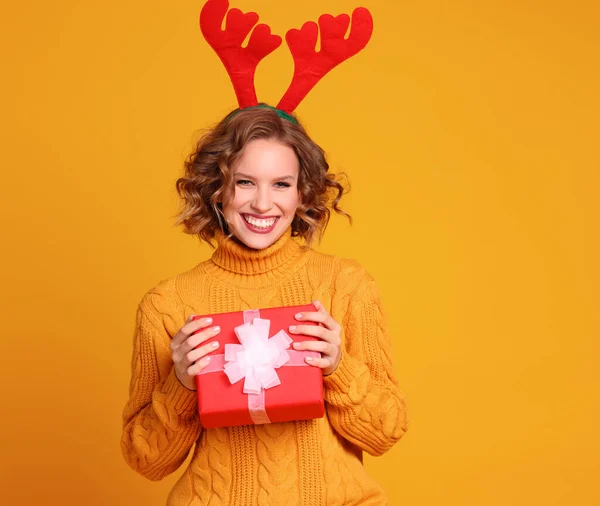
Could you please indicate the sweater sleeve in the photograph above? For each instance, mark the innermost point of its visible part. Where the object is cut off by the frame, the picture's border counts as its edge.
(364, 403)
(160, 419)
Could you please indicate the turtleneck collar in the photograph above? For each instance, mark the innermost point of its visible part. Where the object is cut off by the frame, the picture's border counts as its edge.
(237, 258)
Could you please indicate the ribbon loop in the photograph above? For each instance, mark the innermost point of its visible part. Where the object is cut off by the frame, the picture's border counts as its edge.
(257, 357)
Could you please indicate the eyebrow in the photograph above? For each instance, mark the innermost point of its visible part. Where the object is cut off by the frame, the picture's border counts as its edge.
(241, 174)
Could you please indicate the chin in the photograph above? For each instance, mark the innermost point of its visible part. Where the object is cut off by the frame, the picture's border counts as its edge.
(259, 241)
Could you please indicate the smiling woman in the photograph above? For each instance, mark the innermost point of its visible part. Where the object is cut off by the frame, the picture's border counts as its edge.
(265, 196)
(256, 166)
(253, 184)
(259, 186)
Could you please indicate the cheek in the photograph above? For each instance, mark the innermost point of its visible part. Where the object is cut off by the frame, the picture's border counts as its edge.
(292, 203)
(234, 204)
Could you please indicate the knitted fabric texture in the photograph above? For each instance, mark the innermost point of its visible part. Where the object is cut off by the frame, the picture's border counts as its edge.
(313, 462)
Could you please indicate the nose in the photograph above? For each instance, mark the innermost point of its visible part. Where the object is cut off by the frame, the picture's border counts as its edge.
(262, 201)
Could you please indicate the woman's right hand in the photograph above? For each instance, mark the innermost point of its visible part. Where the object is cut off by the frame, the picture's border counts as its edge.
(187, 359)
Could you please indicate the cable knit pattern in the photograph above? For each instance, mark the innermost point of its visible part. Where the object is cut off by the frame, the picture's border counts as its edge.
(243, 447)
(304, 463)
(310, 466)
(278, 458)
(335, 491)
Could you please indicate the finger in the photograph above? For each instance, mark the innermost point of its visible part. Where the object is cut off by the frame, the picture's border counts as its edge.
(180, 353)
(196, 325)
(198, 353)
(308, 330)
(195, 339)
(188, 329)
(330, 322)
(321, 363)
(196, 368)
(319, 306)
(320, 346)
(320, 317)
(315, 331)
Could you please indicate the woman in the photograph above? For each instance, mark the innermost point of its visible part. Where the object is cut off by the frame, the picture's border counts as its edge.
(255, 183)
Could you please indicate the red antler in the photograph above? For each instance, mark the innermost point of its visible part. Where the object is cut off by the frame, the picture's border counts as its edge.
(311, 66)
(239, 62)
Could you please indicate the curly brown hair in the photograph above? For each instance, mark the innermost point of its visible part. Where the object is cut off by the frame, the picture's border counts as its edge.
(208, 183)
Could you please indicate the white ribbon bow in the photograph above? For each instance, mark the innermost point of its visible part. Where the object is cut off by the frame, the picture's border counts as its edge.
(257, 357)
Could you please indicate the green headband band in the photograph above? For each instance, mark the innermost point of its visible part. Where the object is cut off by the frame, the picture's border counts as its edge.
(279, 112)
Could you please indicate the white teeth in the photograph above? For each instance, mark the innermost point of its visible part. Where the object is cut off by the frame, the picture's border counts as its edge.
(259, 223)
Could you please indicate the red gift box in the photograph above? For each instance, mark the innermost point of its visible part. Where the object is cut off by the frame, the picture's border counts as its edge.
(299, 396)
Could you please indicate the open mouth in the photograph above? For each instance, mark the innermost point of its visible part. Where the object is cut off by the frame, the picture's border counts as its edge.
(261, 225)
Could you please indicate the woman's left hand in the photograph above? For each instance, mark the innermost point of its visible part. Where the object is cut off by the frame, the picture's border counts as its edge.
(329, 333)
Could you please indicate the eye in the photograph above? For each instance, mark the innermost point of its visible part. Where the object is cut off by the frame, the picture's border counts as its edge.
(282, 184)
(243, 182)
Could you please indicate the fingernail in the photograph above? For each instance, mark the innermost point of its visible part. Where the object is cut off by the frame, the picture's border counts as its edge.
(292, 328)
(299, 316)
(214, 344)
(295, 345)
(206, 360)
(216, 329)
(309, 359)
(207, 320)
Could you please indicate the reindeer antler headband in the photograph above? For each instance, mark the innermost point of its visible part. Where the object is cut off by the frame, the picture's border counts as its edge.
(310, 65)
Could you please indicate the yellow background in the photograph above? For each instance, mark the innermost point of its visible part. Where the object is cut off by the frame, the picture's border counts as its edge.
(469, 132)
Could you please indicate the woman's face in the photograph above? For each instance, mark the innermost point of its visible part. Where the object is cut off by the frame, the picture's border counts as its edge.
(266, 193)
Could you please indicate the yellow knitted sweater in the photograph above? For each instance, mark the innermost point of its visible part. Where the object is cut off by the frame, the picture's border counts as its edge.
(311, 463)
